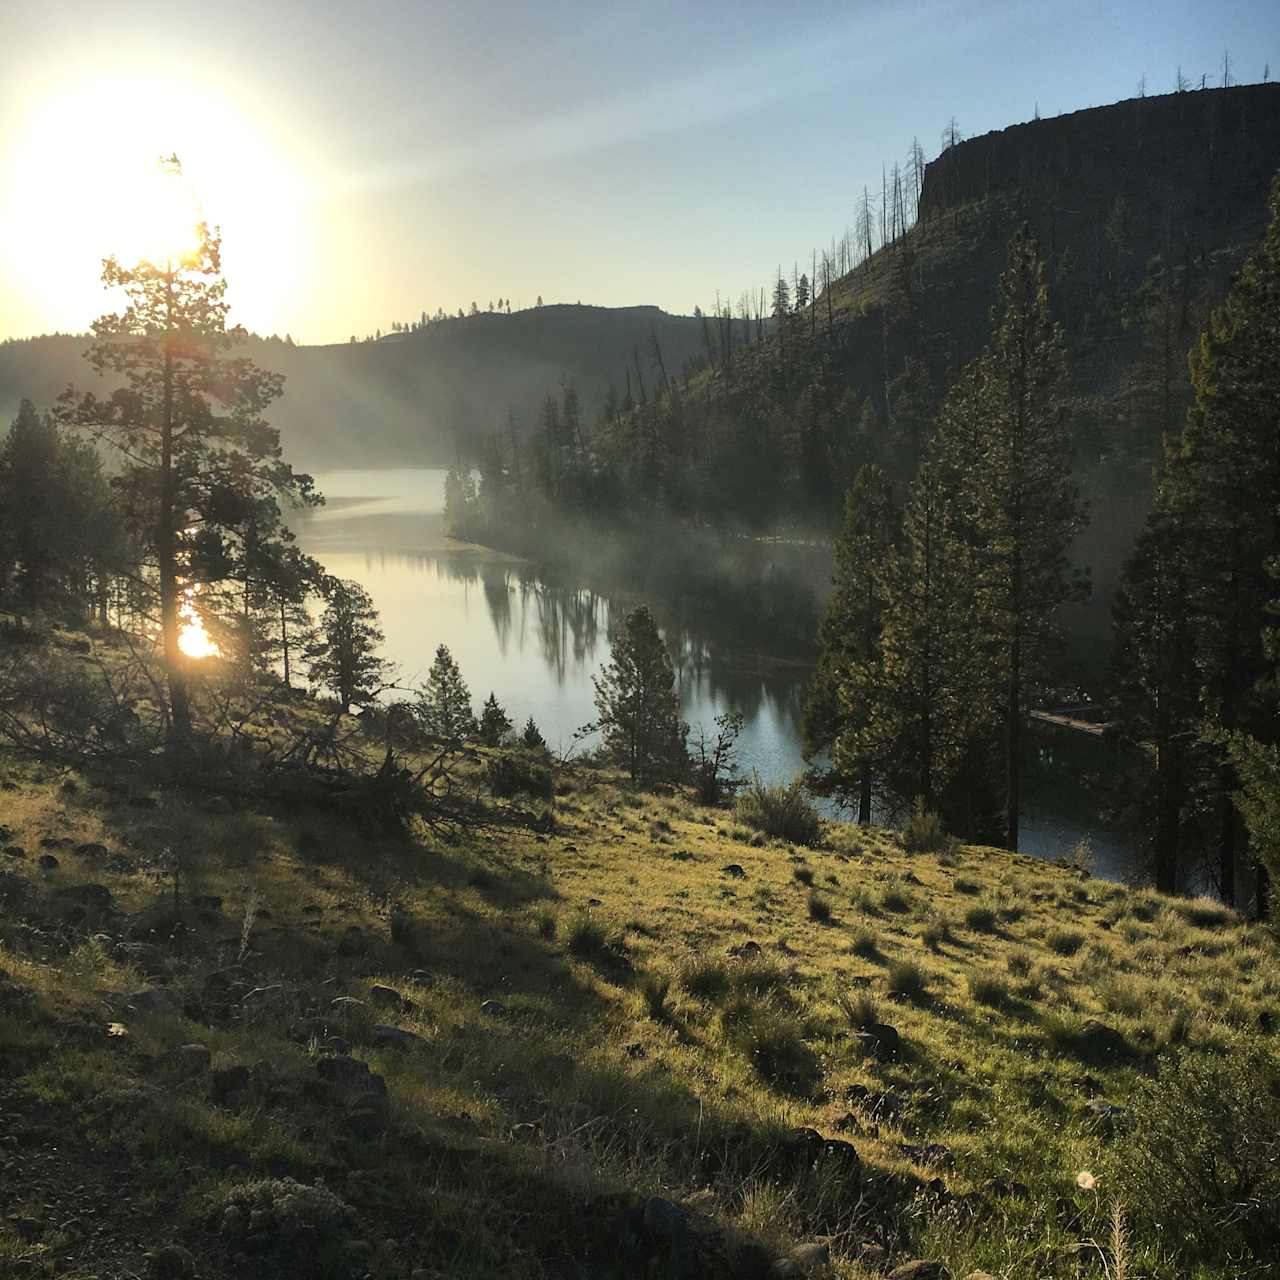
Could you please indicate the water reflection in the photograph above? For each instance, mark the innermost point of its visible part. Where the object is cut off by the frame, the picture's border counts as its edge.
(536, 643)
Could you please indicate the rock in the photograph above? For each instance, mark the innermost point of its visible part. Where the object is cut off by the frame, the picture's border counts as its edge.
(48, 862)
(979, 1275)
(1097, 1040)
(803, 1259)
(933, 1155)
(388, 1037)
(346, 1006)
(189, 1059)
(420, 978)
(369, 1114)
(227, 1084)
(352, 942)
(735, 870)
(155, 1002)
(387, 997)
(351, 1075)
(884, 1041)
(1105, 1116)
(918, 1269)
(842, 1154)
(635, 1051)
(494, 1008)
(852, 1123)
(526, 1131)
(14, 888)
(664, 1219)
(14, 851)
(335, 1044)
(170, 1262)
(873, 1255)
(92, 850)
(96, 896)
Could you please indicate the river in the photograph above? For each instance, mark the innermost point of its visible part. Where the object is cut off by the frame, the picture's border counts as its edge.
(536, 645)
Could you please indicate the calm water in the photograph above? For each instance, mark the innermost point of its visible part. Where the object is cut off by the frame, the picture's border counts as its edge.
(536, 644)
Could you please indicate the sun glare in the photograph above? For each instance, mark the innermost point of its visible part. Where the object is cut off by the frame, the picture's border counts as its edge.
(193, 640)
(81, 182)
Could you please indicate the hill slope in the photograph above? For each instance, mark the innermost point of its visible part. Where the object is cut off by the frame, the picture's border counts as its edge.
(408, 399)
(650, 1043)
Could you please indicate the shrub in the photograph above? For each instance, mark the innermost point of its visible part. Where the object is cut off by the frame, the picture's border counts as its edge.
(894, 897)
(819, 908)
(981, 918)
(655, 988)
(860, 1009)
(965, 885)
(1205, 913)
(773, 1040)
(936, 931)
(584, 935)
(781, 811)
(908, 981)
(989, 989)
(308, 1230)
(511, 773)
(924, 832)
(544, 920)
(705, 979)
(1019, 963)
(803, 875)
(865, 944)
(1201, 1165)
(1066, 942)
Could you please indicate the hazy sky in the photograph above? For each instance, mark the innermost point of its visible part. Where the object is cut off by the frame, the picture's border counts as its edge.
(370, 160)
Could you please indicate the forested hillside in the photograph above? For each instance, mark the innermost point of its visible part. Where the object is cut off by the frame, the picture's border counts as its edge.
(1143, 211)
(408, 398)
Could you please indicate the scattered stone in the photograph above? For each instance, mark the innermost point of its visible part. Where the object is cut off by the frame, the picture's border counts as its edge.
(189, 1059)
(387, 1037)
(14, 888)
(933, 1155)
(664, 1218)
(804, 1259)
(1097, 1040)
(346, 1006)
(96, 896)
(117, 1031)
(170, 1262)
(635, 1051)
(979, 1275)
(155, 1002)
(228, 1084)
(420, 978)
(53, 842)
(14, 851)
(334, 1044)
(48, 862)
(352, 942)
(735, 870)
(30, 1229)
(494, 1008)
(524, 1132)
(267, 997)
(918, 1269)
(92, 850)
(351, 1075)
(387, 997)
(873, 1255)
(850, 1122)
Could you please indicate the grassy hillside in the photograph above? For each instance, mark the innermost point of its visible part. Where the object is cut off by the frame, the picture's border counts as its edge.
(243, 1043)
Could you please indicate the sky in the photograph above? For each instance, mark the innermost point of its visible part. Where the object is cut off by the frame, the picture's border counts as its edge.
(370, 161)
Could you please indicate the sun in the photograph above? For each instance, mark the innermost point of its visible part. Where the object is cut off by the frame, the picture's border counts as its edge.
(81, 182)
(193, 640)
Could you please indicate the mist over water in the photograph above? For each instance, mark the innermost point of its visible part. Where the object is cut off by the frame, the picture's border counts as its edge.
(536, 644)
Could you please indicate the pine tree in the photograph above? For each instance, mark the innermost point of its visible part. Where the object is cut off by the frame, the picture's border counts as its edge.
(531, 736)
(342, 657)
(495, 724)
(1029, 509)
(637, 706)
(187, 423)
(845, 692)
(444, 702)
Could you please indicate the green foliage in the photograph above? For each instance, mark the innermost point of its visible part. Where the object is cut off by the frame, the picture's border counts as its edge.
(773, 1039)
(654, 988)
(495, 724)
(908, 981)
(782, 811)
(1200, 1164)
(989, 989)
(981, 917)
(1066, 942)
(715, 759)
(637, 706)
(444, 701)
(531, 737)
(705, 978)
(819, 907)
(342, 657)
(585, 936)
(924, 832)
(519, 772)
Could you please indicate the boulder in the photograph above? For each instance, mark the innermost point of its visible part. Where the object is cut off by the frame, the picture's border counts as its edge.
(494, 1008)
(803, 1259)
(170, 1262)
(388, 1037)
(188, 1060)
(919, 1269)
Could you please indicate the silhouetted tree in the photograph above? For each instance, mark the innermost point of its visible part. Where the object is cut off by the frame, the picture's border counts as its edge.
(343, 655)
